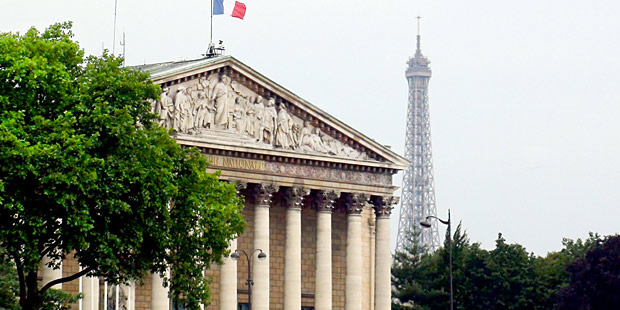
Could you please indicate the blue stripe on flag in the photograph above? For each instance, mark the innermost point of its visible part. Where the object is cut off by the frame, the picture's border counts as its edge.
(218, 7)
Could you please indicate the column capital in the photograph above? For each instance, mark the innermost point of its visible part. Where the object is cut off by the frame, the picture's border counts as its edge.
(240, 185)
(263, 193)
(326, 200)
(354, 203)
(295, 196)
(383, 205)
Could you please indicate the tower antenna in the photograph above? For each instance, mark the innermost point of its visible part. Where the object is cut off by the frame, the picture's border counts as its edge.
(419, 17)
(123, 45)
(114, 39)
(418, 49)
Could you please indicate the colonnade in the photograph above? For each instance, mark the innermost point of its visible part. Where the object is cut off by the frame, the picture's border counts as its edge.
(294, 198)
(324, 202)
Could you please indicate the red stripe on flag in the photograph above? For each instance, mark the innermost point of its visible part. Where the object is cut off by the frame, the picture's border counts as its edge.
(239, 10)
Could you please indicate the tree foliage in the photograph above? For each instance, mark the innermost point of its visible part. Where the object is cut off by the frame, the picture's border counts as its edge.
(85, 169)
(506, 277)
(594, 279)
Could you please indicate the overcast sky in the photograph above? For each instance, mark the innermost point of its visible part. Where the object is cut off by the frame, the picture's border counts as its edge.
(524, 102)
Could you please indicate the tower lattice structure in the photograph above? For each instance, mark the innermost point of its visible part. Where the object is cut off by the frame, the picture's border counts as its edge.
(418, 193)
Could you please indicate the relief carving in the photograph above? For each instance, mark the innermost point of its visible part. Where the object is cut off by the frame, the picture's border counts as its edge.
(218, 104)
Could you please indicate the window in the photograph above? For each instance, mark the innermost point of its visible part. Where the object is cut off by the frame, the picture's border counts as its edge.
(241, 306)
(307, 308)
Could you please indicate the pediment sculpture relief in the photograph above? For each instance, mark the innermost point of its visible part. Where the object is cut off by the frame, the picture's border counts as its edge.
(218, 104)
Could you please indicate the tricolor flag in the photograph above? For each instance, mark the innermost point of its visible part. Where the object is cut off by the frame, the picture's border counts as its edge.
(229, 7)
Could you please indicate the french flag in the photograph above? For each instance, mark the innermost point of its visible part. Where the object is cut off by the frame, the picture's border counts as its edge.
(229, 7)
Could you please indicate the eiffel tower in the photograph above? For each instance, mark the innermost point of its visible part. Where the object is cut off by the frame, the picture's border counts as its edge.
(418, 195)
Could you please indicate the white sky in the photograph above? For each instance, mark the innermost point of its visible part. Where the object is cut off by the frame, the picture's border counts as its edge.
(524, 101)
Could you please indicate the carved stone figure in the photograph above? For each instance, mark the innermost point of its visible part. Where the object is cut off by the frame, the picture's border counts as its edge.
(166, 109)
(250, 119)
(259, 116)
(232, 99)
(269, 121)
(309, 140)
(239, 117)
(220, 96)
(202, 109)
(284, 136)
(332, 145)
(183, 110)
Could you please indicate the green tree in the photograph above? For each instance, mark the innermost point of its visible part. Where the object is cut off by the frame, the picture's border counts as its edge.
(594, 279)
(511, 281)
(85, 169)
(551, 270)
(412, 276)
(9, 285)
(420, 280)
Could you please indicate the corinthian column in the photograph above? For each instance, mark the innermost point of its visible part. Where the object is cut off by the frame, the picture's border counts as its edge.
(228, 270)
(383, 261)
(354, 204)
(49, 274)
(323, 274)
(260, 268)
(159, 294)
(228, 280)
(292, 255)
(90, 289)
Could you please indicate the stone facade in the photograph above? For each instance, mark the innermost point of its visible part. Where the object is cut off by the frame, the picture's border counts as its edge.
(317, 193)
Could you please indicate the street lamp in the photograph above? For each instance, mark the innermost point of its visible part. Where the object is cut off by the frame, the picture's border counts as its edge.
(249, 281)
(427, 224)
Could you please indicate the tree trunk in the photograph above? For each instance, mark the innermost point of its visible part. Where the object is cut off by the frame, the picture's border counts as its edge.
(33, 299)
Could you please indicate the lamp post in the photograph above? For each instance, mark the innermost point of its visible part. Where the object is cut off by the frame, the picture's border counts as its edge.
(427, 224)
(249, 282)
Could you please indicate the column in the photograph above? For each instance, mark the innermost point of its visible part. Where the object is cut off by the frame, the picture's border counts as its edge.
(90, 289)
(159, 294)
(260, 268)
(323, 274)
(130, 295)
(292, 255)
(228, 270)
(228, 281)
(383, 260)
(49, 274)
(353, 292)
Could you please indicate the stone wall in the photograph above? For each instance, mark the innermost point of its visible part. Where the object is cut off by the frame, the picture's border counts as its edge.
(70, 267)
(277, 246)
(143, 294)
(308, 256)
(339, 257)
(245, 241)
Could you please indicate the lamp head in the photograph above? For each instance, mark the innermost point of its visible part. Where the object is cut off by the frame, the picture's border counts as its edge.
(262, 255)
(425, 224)
(234, 255)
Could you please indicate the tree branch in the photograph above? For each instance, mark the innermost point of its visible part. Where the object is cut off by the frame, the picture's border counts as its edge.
(48, 249)
(65, 279)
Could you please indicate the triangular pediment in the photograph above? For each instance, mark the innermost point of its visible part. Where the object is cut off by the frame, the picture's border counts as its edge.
(222, 103)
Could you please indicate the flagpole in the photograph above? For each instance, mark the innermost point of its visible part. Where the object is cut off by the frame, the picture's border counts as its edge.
(211, 38)
(114, 40)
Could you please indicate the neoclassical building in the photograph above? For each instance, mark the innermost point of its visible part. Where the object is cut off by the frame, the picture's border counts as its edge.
(318, 196)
